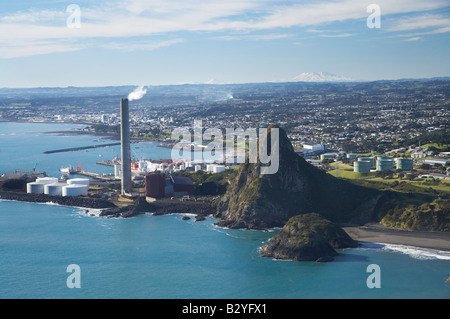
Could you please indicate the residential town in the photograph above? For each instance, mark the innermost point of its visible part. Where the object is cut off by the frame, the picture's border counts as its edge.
(391, 118)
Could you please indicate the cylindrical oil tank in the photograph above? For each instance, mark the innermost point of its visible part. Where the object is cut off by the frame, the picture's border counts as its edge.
(405, 164)
(54, 189)
(371, 159)
(385, 163)
(35, 188)
(362, 166)
(75, 190)
(47, 180)
(78, 181)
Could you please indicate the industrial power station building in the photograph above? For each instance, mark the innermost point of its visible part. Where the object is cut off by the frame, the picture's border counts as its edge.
(159, 186)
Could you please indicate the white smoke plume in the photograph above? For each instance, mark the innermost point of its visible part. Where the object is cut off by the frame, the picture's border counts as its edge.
(137, 94)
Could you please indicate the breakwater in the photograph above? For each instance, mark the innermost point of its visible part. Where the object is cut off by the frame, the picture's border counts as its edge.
(80, 148)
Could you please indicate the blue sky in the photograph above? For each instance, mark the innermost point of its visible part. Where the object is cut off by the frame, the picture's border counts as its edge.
(155, 42)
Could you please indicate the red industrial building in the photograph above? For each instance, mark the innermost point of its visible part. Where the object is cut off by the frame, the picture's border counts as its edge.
(154, 185)
(158, 186)
(182, 185)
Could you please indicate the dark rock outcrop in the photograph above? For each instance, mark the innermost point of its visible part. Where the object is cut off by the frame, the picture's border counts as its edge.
(161, 207)
(308, 237)
(257, 201)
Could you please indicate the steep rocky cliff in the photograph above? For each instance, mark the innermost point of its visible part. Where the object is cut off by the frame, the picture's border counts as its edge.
(256, 201)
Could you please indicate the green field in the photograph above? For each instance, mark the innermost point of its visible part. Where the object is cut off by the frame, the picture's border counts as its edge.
(436, 145)
(426, 184)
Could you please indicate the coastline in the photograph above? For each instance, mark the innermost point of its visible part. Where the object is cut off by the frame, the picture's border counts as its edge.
(79, 202)
(376, 233)
(369, 233)
(109, 209)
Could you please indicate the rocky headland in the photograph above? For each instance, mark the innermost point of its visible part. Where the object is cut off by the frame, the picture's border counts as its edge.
(257, 201)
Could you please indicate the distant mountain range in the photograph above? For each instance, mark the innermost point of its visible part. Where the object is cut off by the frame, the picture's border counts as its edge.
(190, 88)
(319, 77)
(329, 77)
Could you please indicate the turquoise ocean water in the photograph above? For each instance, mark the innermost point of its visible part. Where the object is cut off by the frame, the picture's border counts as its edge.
(167, 257)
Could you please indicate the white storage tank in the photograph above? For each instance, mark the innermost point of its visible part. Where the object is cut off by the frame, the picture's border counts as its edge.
(78, 181)
(35, 188)
(54, 189)
(198, 168)
(75, 190)
(218, 169)
(47, 180)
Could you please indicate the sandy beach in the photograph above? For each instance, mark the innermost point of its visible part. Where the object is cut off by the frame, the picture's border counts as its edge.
(376, 233)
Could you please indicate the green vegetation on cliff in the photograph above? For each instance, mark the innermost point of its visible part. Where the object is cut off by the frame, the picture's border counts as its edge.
(427, 216)
(209, 183)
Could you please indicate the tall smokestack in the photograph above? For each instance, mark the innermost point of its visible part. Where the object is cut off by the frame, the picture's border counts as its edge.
(125, 147)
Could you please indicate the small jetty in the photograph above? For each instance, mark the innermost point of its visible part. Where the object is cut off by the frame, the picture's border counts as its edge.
(96, 176)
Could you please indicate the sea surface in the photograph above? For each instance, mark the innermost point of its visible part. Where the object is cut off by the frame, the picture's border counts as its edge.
(168, 257)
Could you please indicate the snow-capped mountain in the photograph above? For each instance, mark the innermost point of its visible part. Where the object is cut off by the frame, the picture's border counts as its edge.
(319, 77)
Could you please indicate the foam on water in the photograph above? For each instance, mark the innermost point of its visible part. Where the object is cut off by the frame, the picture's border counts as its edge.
(418, 252)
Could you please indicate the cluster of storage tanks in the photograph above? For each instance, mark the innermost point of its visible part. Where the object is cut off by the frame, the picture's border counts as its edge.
(149, 167)
(381, 163)
(52, 186)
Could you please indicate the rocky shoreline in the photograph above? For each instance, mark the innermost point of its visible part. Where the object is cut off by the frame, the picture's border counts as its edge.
(160, 207)
(84, 202)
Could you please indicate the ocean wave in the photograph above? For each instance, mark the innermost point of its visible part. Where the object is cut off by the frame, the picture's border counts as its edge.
(93, 212)
(418, 252)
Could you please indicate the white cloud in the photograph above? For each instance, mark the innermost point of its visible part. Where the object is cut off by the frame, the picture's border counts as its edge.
(419, 22)
(338, 35)
(141, 46)
(412, 39)
(255, 37)
(34, 16)
(114, 20)
(36, 48)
